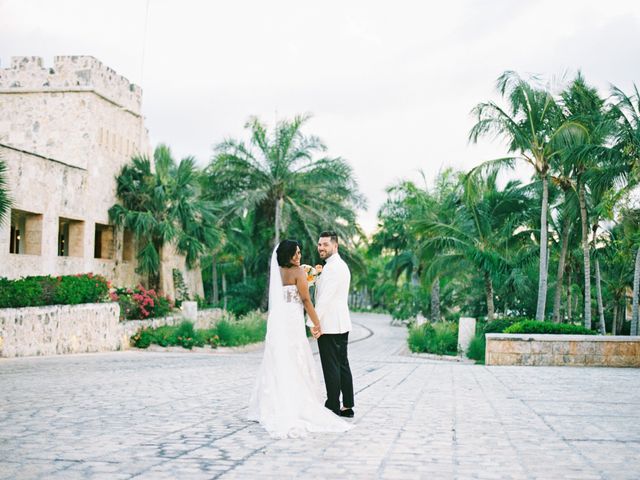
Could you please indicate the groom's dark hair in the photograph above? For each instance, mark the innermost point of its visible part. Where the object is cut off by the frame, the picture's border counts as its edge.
(286, 250)
(331, 234)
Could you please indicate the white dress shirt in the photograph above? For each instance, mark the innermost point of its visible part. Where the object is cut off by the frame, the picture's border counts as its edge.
(332, 296)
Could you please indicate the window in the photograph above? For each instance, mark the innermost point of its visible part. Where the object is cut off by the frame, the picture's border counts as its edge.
(103, 245)
(70, 238)
(26, 233)
(127, 246)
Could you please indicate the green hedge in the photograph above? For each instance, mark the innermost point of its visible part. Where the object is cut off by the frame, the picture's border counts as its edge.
(532, 326)
(440, 338)
(477, 345)
(229, 332)
(46, 290)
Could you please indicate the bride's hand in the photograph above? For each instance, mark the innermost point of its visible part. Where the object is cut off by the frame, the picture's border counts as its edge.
(316, 332)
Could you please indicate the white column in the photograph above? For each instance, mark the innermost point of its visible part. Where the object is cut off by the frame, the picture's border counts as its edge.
(466, 331)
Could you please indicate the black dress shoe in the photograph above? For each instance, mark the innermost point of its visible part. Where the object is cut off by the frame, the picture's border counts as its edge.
(347, 412)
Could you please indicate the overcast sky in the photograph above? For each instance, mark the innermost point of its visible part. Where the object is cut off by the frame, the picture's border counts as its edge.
(390, 84)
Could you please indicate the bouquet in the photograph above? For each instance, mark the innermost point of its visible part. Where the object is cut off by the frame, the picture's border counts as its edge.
(312, 273)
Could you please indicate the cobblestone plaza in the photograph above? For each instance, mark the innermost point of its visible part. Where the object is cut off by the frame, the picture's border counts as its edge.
(181, 415)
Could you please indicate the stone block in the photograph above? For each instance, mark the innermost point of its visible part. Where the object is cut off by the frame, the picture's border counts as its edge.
(498, 346)
(629, 349)
(506, 359)
(582, 348)
(519, 347)
(539, 347)
(466, 331)
(189, 311)
(543, 360)
(560, 348)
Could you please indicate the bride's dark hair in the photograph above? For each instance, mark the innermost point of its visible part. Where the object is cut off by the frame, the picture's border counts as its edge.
(286, 250)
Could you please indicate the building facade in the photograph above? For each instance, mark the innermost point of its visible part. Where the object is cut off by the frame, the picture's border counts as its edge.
(65, 133)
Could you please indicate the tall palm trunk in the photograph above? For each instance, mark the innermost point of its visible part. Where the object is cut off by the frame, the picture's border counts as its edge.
(215, 293)
(543, 275)
(278, 225)
(602, 326)
(569, 298)
(622, 315)
(634, 305)
(488, 287)
(599, 295)
(435, 300)
(224, 290)
(614, 322)
(585, 255)
(559, 277)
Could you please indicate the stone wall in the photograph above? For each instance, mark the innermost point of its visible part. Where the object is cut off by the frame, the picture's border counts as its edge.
(93, 327)
(558, 350)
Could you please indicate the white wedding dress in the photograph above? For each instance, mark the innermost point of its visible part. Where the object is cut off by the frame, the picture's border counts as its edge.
(287, 396)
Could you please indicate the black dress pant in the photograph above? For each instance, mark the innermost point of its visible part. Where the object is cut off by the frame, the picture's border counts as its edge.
(335, 367)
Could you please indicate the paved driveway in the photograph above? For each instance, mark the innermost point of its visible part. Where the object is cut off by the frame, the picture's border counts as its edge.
(147, 415)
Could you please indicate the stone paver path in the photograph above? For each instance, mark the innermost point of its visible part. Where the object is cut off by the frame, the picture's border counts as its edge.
(147, 415)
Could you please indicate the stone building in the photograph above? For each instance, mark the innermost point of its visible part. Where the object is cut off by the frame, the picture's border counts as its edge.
(65, 133)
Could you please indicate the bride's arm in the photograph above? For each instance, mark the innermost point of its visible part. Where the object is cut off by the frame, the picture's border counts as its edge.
(305, 296)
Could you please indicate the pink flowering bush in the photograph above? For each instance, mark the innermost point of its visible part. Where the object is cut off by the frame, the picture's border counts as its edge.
(139, 303)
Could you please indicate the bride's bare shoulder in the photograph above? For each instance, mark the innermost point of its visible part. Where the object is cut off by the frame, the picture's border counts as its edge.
(291, 273)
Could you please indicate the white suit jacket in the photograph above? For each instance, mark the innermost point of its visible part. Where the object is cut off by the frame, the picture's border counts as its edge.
(332, 296)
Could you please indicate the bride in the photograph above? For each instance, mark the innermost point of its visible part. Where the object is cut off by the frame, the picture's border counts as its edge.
(287, 396)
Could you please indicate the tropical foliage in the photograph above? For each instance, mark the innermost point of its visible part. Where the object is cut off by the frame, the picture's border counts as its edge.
(160, 202)
(564, 246)
(276, 184)
(5, 199)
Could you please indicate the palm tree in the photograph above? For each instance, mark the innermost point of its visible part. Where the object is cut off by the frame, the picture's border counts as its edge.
(164, 207)
(484, 231)
(5, 199)
(533, 127)
(627, 109)
(278, 177)
(585, 155)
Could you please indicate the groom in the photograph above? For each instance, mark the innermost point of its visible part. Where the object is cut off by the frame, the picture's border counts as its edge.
(332, 290)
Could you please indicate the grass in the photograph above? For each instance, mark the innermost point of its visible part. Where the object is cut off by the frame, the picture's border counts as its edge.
(440, 338)
(228, 332)
(477, 348)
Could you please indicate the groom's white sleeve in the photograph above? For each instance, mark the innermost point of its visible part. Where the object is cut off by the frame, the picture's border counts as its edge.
(331, 285)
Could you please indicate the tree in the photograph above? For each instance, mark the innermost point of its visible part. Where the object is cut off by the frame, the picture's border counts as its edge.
(5, 199)
(627, 110)
(533, 127)
(278, 177)
(585, 155)
(164, 207)
(483, 232)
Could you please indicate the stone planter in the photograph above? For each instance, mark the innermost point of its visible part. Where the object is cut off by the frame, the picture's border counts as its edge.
(56, 329)
(90, 327)
(558, 350)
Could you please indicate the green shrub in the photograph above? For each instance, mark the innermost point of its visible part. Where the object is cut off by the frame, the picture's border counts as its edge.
(76, 289)
(228, 332)
(500, 325)
(249, 329)
(143, 338)
(533, 326)
(45, 290)
(440, 338)
(243, 298)
(186, 336)
(477, 348)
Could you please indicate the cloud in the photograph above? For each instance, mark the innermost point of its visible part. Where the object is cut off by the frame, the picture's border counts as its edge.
(390, 85)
